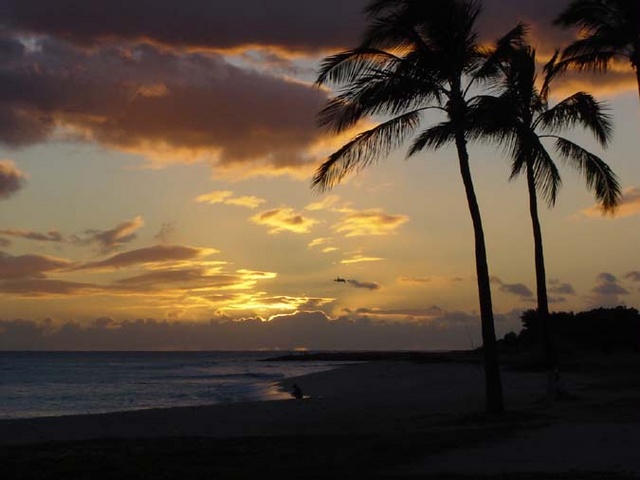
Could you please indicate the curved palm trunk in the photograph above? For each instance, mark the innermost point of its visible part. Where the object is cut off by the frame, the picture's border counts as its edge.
(493, 382)
(550, 353)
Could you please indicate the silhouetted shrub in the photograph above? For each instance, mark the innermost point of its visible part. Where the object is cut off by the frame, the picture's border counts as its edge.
(605, 329)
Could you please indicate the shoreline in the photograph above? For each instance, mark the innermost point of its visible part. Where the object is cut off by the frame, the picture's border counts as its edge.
(426, 417)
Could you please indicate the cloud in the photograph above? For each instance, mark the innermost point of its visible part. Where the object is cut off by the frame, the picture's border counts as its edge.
(183, 278)
(629, 205)
(413, 314)
(284, 219)
(226, 197)
(166, 232)
(358, 258)
(44, 287)
(11, 178)
(607, 291)
(633, 276)
(50, 236)
(556, 287)
(414, 280)
(115, 237)
(279, 24)
(318, 241)
(327, 203)
(517, 289)
(365, 285)
(156, 254)
(369, 222)
(429, 330)
(29, 266)
(207, 110)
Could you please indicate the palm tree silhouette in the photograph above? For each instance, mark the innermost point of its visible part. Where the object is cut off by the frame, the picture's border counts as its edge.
(610, 29)
(416, 56)
(523, 121)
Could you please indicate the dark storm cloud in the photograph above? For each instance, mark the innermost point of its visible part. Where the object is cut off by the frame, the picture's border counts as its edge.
(11, 178)
(167, 106)
(289, 24)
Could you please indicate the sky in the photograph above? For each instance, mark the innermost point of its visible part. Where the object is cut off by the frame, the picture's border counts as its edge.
(155, 167)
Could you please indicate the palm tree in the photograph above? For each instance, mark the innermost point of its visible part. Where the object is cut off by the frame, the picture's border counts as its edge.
(523, 120)
(415, 57)
(610, 29)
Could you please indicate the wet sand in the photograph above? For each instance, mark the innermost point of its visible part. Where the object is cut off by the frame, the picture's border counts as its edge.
(389, 419)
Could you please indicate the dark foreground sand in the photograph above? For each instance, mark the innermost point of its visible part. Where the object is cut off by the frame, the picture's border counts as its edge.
(383, 419)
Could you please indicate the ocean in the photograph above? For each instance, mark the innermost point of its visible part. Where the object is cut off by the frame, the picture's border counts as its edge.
(38, 384)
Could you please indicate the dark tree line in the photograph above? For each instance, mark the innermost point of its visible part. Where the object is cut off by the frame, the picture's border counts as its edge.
(606, 330)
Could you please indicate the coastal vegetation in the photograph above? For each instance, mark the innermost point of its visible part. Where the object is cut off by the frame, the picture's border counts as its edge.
(417, 59)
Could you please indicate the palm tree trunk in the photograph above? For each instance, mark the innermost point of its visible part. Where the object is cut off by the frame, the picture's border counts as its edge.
(493, 382)
(550, 354)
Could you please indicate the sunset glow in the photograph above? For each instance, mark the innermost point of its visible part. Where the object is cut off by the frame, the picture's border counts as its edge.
(162, 173)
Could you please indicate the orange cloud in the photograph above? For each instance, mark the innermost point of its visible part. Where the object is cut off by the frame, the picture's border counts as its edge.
(284, 219)
(630, 205)
(226, 197)
(169, 106)
(11, 179)
(156, 254)
(369, 222)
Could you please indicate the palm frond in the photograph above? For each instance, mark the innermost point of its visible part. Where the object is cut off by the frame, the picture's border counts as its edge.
(546, 174)
(387, 93)
(351, 64)
(599, 177)
(366, 148)
(588, 54)
(580, 108)
(433, 138)
(551, 70)
(495, 57)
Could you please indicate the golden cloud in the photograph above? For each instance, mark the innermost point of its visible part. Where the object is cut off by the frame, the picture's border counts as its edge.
(369, 222)
(284, 219)
(226, 197)
(358, 258)
(318, 241)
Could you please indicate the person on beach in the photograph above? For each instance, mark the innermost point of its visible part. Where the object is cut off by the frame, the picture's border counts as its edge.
(296, 392)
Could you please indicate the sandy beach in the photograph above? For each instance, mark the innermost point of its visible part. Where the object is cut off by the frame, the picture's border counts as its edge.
(387, 419)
